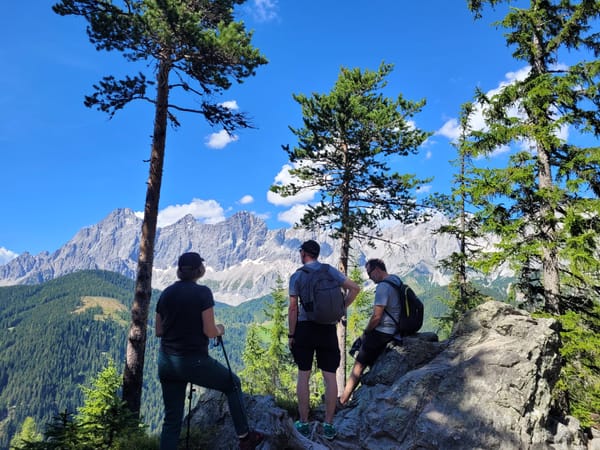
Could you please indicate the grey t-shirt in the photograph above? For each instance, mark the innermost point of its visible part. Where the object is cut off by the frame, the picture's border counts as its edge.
(294, 287)
(387, 295)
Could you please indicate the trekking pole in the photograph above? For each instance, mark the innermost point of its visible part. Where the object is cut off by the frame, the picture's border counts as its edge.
(189, 417)
(234, 384)
(220, 342)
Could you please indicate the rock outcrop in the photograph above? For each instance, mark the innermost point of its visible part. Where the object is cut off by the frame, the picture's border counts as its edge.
(487, 387)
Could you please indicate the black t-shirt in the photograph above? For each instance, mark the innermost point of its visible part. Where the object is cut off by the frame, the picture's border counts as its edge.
(180, 307)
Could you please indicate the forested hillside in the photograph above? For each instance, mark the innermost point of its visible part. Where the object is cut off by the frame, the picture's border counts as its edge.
(58, 335)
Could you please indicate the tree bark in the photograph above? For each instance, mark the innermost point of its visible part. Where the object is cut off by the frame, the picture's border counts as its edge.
(341, 327)
(136, 343)
(550, 260)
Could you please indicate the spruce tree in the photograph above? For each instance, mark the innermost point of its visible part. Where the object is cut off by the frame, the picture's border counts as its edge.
(268, 366)
(194, 47)
(28, 434)
(464, 227)
(104, 418)
(545, 203)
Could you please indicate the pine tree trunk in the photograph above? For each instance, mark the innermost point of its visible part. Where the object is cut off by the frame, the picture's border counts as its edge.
(136, 344)
(341, 327)
(550, 260)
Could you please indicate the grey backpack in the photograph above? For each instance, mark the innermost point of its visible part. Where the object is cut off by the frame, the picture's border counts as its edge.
(321, 295)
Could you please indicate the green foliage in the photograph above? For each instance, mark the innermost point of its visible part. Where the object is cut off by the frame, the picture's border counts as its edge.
(198, 41)
(268, 366)
(463, 295)
(544, 205)
(27, 434)
(579, 379)
(65, 348)
(103, 422)
(343, 152)
(104, 419)
(361, 308)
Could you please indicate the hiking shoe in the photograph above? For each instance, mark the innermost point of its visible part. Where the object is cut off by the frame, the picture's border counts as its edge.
(251, 440)
(329, 431)
(302, 428)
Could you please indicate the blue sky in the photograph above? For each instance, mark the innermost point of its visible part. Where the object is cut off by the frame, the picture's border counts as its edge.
(65, 166)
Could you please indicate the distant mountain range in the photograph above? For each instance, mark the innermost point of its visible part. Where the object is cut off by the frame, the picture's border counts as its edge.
(243, 257)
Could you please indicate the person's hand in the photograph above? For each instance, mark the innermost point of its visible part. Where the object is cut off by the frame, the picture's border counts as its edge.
(221, 329)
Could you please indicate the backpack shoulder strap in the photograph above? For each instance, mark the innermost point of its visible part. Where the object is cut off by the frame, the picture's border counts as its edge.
(399, 290)
(307, 271)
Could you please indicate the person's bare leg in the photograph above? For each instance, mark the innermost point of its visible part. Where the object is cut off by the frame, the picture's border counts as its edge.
(330, 395)
(357, 370)
(303, 394)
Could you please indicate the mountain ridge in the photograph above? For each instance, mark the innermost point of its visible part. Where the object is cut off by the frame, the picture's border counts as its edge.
(243, 256)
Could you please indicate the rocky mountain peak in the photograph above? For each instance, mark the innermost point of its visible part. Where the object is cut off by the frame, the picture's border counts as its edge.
(243, 257)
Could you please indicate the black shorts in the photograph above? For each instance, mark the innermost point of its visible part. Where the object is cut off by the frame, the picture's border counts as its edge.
(311, 338)
(373, 344)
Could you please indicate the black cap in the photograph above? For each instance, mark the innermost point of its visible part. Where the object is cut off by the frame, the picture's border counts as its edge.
(189, 261)
(311, 247)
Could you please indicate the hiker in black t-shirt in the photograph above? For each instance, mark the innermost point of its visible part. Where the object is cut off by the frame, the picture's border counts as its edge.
(381, 327)
(185, 321)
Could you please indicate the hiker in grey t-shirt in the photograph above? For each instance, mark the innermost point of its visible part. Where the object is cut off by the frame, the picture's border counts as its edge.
(381, 327)
(308, 339)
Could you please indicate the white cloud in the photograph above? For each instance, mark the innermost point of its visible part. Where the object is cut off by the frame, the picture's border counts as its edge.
(6, 255)
(246, 199)
(563, 133)
(424, 189)
(293, 215)
(428, 154)
(284, 177)
(265, 10)
(230, 104)
(220, 140)
(205, 211)
(499, 151)
(451, 128)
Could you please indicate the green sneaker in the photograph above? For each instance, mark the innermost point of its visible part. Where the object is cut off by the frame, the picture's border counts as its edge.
(302, 428)
(329, 431)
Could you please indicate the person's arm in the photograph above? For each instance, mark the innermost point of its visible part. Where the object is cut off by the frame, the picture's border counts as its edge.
(211, 330)
(158, 328)
(375, 318)
(292, 317)
(352, 289)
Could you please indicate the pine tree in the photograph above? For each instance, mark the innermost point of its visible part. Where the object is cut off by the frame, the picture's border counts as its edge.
(545, 204)
(277, 350)
(361, 308)
(268, 366)
(255, 376)
(464, 295)
(200, 45)
(104, 417)
(28, 434)
(343, 155)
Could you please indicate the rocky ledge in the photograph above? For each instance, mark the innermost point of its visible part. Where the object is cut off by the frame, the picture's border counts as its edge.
(487, 387)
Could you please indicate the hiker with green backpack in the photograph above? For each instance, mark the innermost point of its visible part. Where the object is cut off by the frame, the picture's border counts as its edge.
(397, 311)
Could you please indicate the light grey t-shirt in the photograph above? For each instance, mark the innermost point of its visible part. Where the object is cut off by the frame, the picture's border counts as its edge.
(294, 287)
(387, 295)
